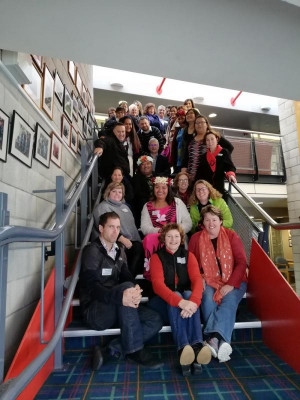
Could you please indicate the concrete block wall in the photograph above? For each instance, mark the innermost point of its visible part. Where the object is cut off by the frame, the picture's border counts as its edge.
(34, 210)
(291, 151)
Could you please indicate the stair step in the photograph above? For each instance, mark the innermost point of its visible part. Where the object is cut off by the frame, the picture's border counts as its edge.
(79, 332)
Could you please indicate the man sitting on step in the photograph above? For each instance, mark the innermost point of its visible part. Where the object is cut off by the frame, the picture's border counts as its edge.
(110, 298)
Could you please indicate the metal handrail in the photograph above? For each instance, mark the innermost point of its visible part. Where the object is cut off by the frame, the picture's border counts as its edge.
(10, 233)
(12, 388)
(266, 216)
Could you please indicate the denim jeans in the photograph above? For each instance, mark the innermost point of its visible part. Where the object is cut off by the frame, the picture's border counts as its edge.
(221, 318)
(184, 330)
(137, 325)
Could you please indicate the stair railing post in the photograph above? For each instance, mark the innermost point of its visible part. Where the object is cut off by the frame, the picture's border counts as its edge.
(84, 194)
(4, 220)
(59, 267)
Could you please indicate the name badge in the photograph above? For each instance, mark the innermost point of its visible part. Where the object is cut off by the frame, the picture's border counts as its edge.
(106, 271)
(181, 260)
(156, 212)
(124, 209)
(219, 155)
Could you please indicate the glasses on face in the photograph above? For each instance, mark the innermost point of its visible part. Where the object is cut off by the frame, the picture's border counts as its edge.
(153, 145)
(200, 123)
(202, 189)
(183, 180)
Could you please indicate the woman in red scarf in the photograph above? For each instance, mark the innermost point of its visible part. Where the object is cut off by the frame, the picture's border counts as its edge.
(222, 260)
(216, 163)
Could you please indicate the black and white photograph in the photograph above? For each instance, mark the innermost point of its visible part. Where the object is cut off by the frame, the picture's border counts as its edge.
(68, 104)
(56, 150)
(42, 145)
(74, 140)
(80, 107)
(34, 88)
(72, 70)
(65, 130)
(79, 83)
(84, 127)
(75, 106)
(4, 124)
(59, 88)
(22, 138)
(48, 92)
(80, 143)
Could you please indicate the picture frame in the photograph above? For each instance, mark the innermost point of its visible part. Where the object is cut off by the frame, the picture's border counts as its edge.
(84, 95)
(48, 92)
(38, 60)
(34, 88)
(80, 143)
(84, 127)
(42, 149)
(65, 130)
(74, 140)
(56, 150)
(4, 129)
(75, 106)
(72, 71)
(21, 141)
(79, 83)
(80, 107)
(59, 88)
(68, 104)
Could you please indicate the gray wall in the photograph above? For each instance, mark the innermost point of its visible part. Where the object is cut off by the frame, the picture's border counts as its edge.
(34, 210)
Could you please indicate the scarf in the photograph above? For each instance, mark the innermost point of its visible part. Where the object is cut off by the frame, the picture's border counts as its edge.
(209, 261)
(160, 220)
(211, 157)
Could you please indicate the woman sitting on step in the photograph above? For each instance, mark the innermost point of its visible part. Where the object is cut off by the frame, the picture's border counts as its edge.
(177, 282)
(222, 260)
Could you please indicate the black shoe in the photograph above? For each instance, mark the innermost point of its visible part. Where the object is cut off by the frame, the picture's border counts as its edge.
(97, 359)
(144, 357)
(197, 368)
(186, 370)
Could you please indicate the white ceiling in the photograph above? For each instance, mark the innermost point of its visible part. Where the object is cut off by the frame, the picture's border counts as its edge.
(252, 45)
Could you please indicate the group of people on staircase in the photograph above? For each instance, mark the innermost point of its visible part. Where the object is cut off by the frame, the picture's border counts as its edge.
(177, 233)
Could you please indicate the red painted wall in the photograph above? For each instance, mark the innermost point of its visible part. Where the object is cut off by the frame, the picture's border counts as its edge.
(276, 304)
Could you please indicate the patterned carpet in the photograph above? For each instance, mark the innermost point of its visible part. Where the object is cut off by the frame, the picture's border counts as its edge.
(254, 372)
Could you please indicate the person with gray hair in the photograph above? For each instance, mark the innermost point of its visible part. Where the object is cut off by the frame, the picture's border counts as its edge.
(146, 132)
(161, 112)
(160, 165)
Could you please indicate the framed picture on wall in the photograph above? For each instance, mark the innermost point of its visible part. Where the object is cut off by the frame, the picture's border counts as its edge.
(80, 107)
(75, 106)
(38, 60)
(42, 146)
(72, 70)
(65, 130)
(74, 140)
(80, 143)
(59, 88)
(4, 125)
(34, 88)
(21, 142)
(48, 92)
(84, 127)
(56, 150)
(68, 104)
(79, 83)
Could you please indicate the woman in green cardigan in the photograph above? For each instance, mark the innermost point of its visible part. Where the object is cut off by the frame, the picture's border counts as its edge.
(204, 194)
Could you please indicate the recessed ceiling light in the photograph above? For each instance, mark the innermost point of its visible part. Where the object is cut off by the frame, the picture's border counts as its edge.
(198, 99)
(212, 115)
(116, 85)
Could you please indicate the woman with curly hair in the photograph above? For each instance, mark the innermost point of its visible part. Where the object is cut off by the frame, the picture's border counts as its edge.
(150, 112)
(202, 195)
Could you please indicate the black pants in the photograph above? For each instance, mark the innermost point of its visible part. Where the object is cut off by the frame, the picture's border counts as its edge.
(135, 258)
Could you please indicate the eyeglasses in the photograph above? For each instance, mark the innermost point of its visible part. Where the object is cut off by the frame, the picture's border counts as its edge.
(200, 123)
(203, 189)
(183, 180)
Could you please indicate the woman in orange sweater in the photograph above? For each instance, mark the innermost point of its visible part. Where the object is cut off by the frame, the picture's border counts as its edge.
(177, 282)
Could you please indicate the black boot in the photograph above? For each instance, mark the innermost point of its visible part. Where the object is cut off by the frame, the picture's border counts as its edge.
(144, 357)
(97, 358)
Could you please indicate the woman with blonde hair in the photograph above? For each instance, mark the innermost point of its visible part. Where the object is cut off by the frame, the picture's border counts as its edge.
(129, 235)
(204, 194)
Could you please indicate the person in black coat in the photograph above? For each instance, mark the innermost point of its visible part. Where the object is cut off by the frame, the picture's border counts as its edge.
(113, 149)
(216, 163)
(160, 165)
(146, 132)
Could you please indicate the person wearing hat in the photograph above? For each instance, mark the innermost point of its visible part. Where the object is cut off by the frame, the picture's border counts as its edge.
(142, 185)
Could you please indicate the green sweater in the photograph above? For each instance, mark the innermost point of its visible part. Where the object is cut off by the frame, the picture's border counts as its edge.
(221, 204)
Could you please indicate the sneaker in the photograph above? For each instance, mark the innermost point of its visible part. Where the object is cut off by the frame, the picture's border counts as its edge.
(144, 357)
(203, 354)
(224, 351)
(213, 344)
(187, 355)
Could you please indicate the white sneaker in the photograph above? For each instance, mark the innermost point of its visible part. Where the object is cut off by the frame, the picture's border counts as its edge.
(224, 351)
(213, 344)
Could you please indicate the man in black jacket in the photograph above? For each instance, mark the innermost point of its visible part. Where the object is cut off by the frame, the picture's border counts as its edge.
(114, 149)
(109, 296)
(147, 132)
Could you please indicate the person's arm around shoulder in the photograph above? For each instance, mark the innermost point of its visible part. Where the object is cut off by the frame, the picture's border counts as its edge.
(182, 215)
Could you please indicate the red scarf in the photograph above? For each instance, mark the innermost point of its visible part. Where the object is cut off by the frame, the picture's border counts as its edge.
(209, 264)
(211, 157)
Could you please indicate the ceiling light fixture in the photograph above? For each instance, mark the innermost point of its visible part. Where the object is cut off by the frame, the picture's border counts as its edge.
(198, 99)
(116, 85)
(212, 115)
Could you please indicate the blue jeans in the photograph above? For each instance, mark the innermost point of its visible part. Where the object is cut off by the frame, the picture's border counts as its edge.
(221, 318)
(184, 330)
(137, 325)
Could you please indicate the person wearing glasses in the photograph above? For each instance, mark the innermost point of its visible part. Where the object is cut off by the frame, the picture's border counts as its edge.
(204, 194)
(182, 187)
(197, 146)
(160, 165)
